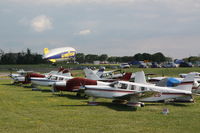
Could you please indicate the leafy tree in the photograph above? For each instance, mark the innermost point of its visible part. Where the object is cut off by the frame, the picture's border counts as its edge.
(158, 57)
(126, 58)
(103, 57)
(90, 58)
(138, 57)
(112, 59)
(80, 57)
(147, 56)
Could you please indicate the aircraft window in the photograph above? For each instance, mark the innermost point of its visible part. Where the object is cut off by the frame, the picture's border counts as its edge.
(122, 86)
(133, 87)
(142, 88)
(61, 78)
(113, 84)
(54, 78)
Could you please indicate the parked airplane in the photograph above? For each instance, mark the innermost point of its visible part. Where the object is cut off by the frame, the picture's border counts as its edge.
(137, 92)
(107, 76)
(75, 83)
(59, 54)
(183, 75)
(170, 82)
(24, 76)
(63, 75)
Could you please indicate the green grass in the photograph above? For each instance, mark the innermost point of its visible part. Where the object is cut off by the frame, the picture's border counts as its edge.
(23, 111)
(165, 71)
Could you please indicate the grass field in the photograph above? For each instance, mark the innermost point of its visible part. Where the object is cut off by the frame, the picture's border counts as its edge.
(23, 110)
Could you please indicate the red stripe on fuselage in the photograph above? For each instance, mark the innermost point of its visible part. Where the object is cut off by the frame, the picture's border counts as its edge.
(186, 83)
(122, 91)
(174, 94)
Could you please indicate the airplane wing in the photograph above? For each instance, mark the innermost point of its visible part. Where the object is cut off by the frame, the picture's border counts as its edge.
(138, 95)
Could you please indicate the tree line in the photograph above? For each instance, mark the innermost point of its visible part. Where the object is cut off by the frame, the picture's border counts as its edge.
(157, 57)
(34, 58)
(21, 58)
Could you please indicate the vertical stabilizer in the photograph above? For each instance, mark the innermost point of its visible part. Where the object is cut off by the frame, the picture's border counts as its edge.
(90, 74)
(46, 51)
(126, 76)
(140, 77)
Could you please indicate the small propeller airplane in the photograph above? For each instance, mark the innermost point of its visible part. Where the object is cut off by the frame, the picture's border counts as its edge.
(24, 76)
(169, 82)
(139, 91)
(74, 84)
(107, 76)
(50, 79)
(183, 75)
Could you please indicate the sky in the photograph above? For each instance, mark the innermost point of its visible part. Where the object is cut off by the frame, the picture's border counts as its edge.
(113, 27)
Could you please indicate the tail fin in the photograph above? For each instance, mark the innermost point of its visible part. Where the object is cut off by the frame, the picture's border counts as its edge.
(100, 72)
(140, 77)
(46, 51)
(126, 76)
(66, 73)
(186, 83)
(61, 69)
(90, 74)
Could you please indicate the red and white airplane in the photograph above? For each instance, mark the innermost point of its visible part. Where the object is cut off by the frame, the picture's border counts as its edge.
(139, 91)
(74, 84)
(51, 78)
(23, 77)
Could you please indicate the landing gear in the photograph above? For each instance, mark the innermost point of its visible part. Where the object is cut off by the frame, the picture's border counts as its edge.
(92, 102)
(135, 104)
(119, 101)
(80, 94)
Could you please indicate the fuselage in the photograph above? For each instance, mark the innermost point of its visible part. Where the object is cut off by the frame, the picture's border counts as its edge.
(122, 88)
(49, 81)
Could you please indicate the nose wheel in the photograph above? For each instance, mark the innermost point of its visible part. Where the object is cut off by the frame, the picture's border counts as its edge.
(92, 101)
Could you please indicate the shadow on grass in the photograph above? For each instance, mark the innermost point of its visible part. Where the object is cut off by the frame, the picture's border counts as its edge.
(69, 96)
(178, 104)
(113, 106)
(11, 84)
(172, 103)
(118, 107)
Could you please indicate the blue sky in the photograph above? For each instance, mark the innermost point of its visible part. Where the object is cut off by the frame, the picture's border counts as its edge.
(113, 27)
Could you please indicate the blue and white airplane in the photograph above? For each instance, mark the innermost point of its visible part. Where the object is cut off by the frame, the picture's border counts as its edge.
(59, 54)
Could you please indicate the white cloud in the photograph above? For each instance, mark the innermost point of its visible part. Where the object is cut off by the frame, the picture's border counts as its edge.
(41, 23)
(85, 32)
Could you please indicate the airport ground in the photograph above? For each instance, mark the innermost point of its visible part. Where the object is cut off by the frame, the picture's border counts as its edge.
(23, 110)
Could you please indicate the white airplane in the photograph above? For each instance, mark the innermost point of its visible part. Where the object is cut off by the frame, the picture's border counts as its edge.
(102, 75)
(167, 81)
(59, 54)
(23, 76)
(183, 75)
(51, 79)
(138, 92)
